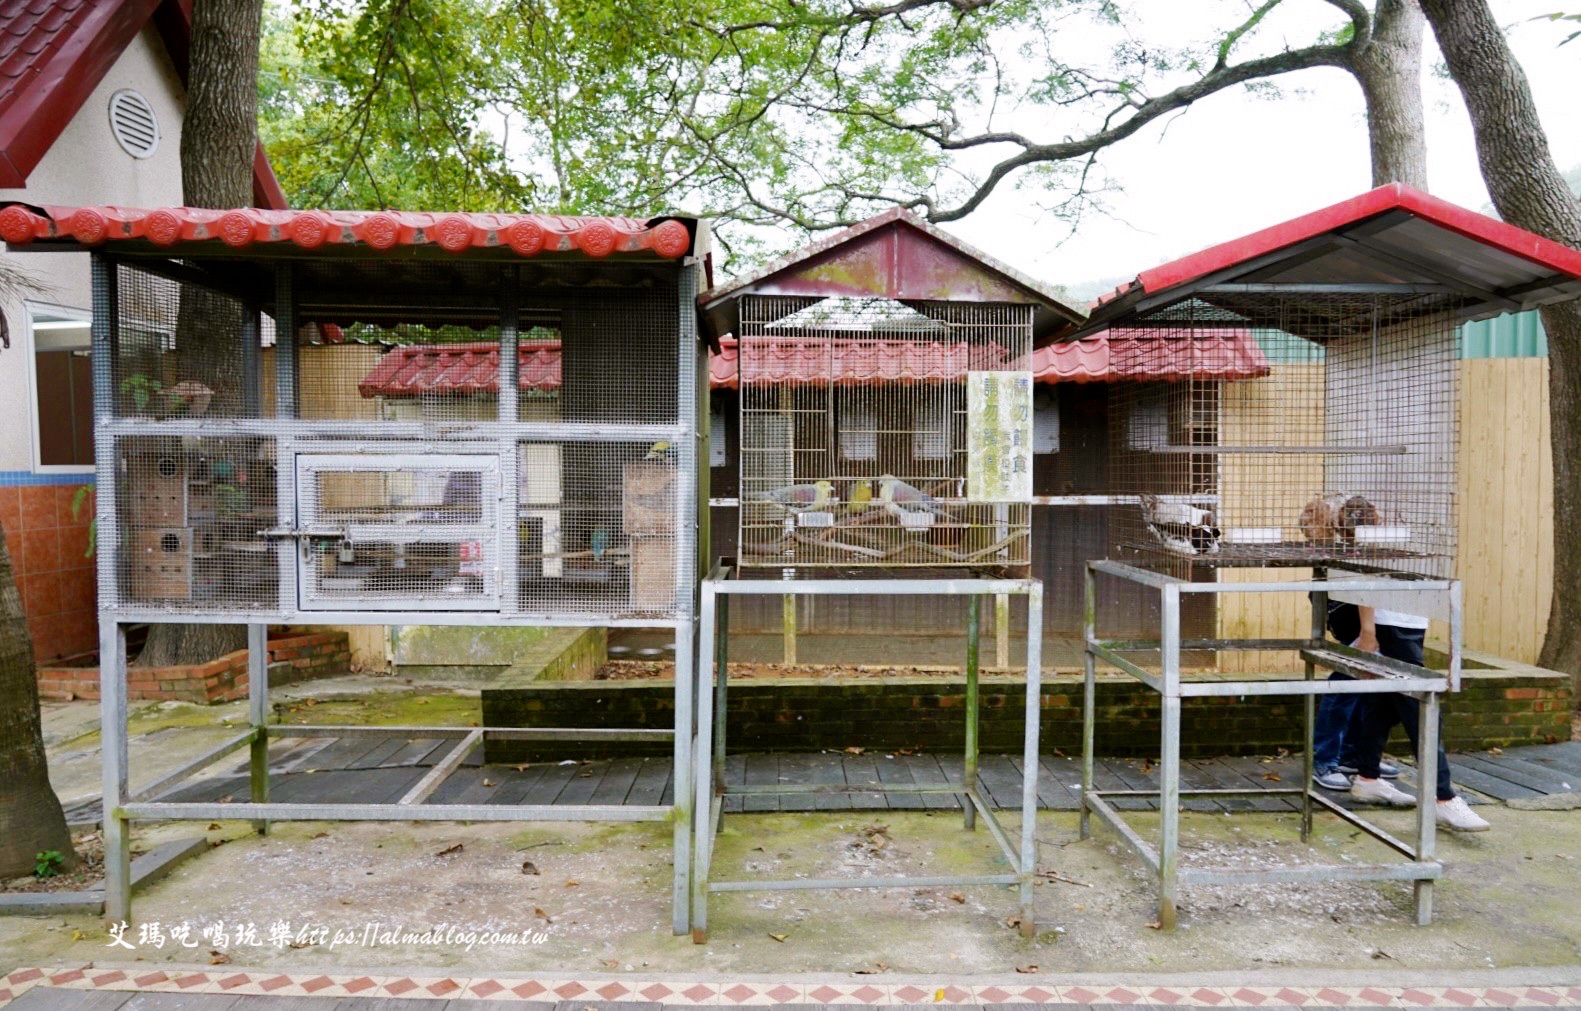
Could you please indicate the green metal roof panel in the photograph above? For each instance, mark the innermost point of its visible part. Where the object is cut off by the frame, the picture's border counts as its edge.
(1512, 335)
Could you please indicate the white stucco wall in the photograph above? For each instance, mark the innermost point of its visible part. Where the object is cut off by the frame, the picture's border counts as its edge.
(86, 166)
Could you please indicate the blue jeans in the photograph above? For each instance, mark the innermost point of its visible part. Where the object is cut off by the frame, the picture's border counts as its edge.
(1333, 730)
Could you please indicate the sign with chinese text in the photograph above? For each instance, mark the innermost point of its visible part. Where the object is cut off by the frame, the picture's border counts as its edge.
(999, 436)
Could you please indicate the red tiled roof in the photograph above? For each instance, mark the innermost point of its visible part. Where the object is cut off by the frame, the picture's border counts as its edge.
(53, 53)
(1116, 355)
(1110, 357)
(525, 234)
(412, 370)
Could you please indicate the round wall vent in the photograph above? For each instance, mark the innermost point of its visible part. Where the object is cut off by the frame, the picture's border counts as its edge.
(133, 123)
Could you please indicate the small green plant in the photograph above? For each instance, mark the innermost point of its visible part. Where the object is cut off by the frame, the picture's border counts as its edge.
(141, 389)
(47, 863)
(77, 502)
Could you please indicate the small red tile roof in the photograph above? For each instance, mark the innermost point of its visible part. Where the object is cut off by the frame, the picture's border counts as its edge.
(54, 53)
(455, 232)
(413, 370)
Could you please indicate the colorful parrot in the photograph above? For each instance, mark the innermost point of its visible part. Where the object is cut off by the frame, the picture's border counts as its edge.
(897, 497)
(799, 497)
(861, 496)
(598, 540)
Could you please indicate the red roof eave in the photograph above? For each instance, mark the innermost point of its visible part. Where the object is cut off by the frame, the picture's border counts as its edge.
(523, 234)
(1500, 235)
(55, 87)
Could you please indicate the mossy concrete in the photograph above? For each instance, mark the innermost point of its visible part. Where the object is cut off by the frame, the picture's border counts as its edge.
(601, 897)
(489, 655)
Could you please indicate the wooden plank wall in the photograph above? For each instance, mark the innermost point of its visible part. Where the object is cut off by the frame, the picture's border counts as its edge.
(1505, 519)
(1505, 504)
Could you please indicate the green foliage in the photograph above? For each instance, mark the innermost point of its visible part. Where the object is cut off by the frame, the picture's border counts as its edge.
(810, 113)
(47, 863)
(141, 389)
(1561, 16)
(78, 500)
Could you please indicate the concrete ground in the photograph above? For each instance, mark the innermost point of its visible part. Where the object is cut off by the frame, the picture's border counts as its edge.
(600, 897)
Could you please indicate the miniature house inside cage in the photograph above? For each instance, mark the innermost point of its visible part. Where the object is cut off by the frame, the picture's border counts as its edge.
(887, 411)
(1339, 448)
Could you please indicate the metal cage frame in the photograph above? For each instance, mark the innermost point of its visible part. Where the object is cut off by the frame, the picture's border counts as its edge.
(713, 682)
(1371, 673)
(124, 804)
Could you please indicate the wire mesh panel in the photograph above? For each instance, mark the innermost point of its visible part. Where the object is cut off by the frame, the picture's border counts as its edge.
(195, 520)
(597, 529)
(1291, 429)
(879, 433)
(188, 350)
(399, 531)
(409, 482)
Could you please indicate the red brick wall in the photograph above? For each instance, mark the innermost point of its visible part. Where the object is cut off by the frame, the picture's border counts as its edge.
(293, 656)
(57, 582)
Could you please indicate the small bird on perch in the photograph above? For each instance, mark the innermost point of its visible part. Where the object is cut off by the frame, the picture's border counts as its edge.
(663, 450)
(861, 497)
(897, 497)
(1180, 526)
(598, 540)
(799, 497)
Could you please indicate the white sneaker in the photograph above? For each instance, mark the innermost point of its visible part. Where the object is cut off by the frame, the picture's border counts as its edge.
(1455, 814)
(1378, 791)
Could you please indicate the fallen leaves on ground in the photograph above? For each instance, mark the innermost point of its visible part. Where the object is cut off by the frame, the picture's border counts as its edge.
(450, 851)
(528, 867)
(957, 897)
(778, 937)
(1026, 968)
(217, 957)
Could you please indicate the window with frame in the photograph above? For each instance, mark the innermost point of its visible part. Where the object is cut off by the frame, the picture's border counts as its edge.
(62, 386)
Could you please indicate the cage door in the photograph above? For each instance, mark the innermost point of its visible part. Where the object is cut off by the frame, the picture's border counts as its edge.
(399, 532)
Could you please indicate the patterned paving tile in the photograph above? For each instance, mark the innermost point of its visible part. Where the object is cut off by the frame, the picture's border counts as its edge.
(853, 992)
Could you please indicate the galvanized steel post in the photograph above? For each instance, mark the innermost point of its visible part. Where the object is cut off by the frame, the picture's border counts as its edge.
(1169, 762)
(1030, 759)
(258, 716)
(974, 607)
(1089, 691)
(113, 752)
(1426, 799)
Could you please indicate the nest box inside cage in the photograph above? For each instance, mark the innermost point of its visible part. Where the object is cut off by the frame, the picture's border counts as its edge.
(876, 432)
(1335, 443)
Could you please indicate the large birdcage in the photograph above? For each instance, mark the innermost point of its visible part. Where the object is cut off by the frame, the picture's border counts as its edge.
(388, 419)
(369, 463)
(1332, 442)
(884, 433)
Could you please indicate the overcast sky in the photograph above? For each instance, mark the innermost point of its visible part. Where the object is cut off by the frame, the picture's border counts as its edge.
(1236, 163)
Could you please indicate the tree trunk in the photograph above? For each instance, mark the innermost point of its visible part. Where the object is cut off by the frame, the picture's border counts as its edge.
(1529, 192)
(218, 138)
(31, 820)
(1389, 70)
(220, 132)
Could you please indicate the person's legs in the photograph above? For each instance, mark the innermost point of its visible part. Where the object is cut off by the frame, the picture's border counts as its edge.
(1406, 644)
(1329, 729)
